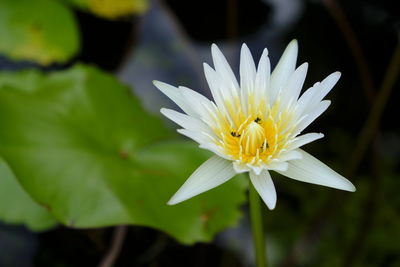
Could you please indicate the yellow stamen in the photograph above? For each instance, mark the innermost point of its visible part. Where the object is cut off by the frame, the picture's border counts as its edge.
(253, 138)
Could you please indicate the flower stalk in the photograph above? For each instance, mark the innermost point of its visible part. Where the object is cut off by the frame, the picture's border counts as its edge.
(257, 227)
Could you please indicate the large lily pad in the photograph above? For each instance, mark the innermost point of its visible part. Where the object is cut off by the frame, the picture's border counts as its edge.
(81, 145)
(43, 31)
(17, 207)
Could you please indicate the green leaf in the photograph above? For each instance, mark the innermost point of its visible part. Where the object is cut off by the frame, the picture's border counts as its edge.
(17, 207)
(112, 9)
(81, 144)
(43, 31)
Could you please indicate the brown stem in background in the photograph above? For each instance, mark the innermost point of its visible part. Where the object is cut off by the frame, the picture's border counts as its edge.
(231, 23)
(369, 212)
(115, 248)
(377, 109)
(354, 45)
(367, 133)
(371, 128)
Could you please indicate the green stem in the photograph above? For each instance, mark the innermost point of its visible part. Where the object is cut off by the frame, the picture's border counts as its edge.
(257, 227)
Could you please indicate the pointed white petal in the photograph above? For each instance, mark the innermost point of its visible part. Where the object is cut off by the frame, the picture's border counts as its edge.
(304, 100)
(223, 69)
(311, 170)
(200, 137)
(290, 155)
(210, 174)
(263, 71)
(200, 104)
(175, 95)
(326, 86)
(247, 74)
(225, 98)
(278, 166)
(312, 115)
(229, 87)
(247, 68)
(283, 69)
(186, 121)
(261, 86)
(292, 89)
(265, 187)
(215, 85)
(305, 139)
(217, 150)
(315, 94)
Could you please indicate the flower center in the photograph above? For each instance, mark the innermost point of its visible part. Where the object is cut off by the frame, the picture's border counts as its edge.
(256, 140)
(253, 139)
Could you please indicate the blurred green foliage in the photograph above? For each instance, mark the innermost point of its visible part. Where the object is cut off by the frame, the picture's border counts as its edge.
(111, 9)
(43, 31)
(47, 32)
(82, 146)
(17, 207)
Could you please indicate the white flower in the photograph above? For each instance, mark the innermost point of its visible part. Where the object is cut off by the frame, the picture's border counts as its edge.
(254, 126)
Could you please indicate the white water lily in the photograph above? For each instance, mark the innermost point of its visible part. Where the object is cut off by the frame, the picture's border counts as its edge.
(255, 126)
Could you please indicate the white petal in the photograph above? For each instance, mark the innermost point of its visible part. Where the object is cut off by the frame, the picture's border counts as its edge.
(263, 71)
(326, 86)
(311, 170)
(215, 85)
(200, 104)
(261, 86)
(247, 74)
(316, 93)
(290, 155)
(293, 87)
(215, 149)
(240, 167)
(247, 68)
(304, 100)
(200, 137)
(175, 95)
(256, 169)
(222, 67)
(312, 115)
(305, 139)
(225, 98)
(186, 121)
(283, 69)
(265, 187)
(278, 166)
(229, 87)
(210, 174)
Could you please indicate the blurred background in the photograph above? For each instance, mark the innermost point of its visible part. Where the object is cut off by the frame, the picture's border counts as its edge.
(138, 41)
